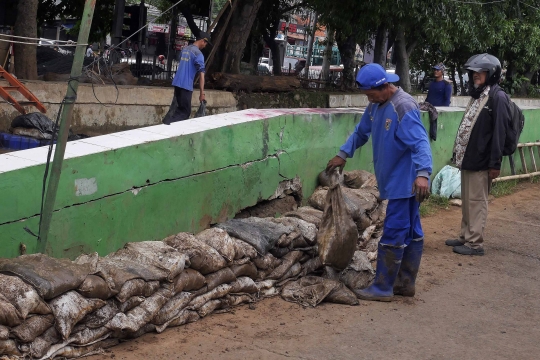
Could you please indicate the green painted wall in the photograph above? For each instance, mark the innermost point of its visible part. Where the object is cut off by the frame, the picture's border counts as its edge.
(185, 183)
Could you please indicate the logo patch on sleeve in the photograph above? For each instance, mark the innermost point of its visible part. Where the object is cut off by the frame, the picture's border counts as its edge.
(387, 124)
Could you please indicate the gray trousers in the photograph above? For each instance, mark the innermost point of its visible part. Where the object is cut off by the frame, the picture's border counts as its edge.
(475, 186)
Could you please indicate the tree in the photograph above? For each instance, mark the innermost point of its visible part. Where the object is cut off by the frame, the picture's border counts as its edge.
(25, 55)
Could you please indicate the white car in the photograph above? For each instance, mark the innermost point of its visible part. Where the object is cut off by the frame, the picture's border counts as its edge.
(54, 44)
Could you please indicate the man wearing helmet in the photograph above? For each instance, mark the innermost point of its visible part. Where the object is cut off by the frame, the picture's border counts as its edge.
(440, 90)
(402, 161)
(191, 63)
(478, 149)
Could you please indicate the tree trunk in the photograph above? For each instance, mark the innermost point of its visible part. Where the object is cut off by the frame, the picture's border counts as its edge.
(25, 55)
(461, 83)
(231, 47)
(379, 53)
(402, 60)
(327, 59)
(256, 51)
(347, 49)
(269, 38)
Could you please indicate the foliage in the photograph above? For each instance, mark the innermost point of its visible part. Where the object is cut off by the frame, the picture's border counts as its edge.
(433, 204)
(503, 188)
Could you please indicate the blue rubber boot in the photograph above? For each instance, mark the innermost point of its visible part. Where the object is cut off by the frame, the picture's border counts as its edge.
(412, 255)
(388, 264)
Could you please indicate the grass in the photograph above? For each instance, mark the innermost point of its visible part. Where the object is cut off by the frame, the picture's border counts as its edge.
(503, 188)
(433, 204)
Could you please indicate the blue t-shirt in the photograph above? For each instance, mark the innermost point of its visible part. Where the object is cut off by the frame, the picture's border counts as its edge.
(401, 150)
(439, 93)
(191, 62)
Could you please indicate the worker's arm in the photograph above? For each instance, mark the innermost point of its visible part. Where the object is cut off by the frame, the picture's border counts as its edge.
(201, 87)
(448, 93)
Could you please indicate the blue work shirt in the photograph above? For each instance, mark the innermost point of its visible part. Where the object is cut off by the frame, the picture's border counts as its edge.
(191, 62)
(401, 150)
(439, 93)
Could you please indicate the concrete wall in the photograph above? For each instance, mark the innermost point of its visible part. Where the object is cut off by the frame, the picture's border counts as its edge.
(148, 183)
(104, 109)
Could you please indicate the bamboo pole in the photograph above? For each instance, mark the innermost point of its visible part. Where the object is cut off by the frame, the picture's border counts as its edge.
(514, 177)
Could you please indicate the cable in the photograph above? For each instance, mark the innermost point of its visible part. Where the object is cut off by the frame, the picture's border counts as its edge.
(37, 44)
(478, 2)
(31, 38)
(532, 7)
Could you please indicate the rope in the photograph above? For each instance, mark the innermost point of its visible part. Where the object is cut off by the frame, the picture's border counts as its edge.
(30, 38)
(36, 44)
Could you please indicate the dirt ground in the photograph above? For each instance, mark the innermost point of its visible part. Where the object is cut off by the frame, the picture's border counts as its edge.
(465, 308)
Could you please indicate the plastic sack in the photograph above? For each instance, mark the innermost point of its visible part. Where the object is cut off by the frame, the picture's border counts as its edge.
(202, 109)
(447, 183)
(34, 120)
(337, 234)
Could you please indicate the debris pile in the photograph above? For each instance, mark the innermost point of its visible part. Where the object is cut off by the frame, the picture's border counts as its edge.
(60, 308)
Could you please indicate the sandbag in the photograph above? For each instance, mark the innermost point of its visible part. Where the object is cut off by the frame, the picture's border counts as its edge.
(49, 276)
(33, 327)
(279, 252)
(142, 314)
(285, 240)
(95, 287)
(360, 262)
(217, 293)
(265, 284)
(9, 316)
(134, 334)
(366, 235)
(172, 308)
(102, 315)
(130, 303)
(209, 307)
(243, 250)
(312, 290)
(184, 317)
(308, 214)
(33, 133)
(292, 272)
(267, 262)
(86, 336)
(204, 258)
(189, 280)
(311, 265)
(337, 234)
(137, 287)
(219, 240)
(72, 352)
(288, 261)
(223, 276)
(235, 300)
(245, 285)
(342, 295)
(70, 308)
(22, 296)
(307, 229)
(249, 270)
(264, 293)
(357, 179)
(356, 279)
(4, 332)
(262, 234)
(325, 180)
(38, 348)
(9, 347)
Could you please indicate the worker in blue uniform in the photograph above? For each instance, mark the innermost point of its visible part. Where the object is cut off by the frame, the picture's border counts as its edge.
(403, 165)
(440, 90)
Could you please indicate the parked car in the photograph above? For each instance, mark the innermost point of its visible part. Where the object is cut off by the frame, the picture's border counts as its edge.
(264, 67)
(56, 45)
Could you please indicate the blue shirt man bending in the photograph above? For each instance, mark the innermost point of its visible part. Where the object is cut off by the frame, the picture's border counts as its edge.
(191, 63)
(440, 90)
(403, 164)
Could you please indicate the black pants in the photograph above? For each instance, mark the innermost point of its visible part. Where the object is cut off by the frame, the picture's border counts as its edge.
(180, 106)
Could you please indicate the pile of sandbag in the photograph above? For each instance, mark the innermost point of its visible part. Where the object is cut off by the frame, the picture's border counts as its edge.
(60, 308)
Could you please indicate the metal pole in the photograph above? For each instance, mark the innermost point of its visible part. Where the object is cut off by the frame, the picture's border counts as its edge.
(65, 122)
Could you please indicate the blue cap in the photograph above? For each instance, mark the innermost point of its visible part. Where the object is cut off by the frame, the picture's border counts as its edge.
(373, 75)
(439, 66)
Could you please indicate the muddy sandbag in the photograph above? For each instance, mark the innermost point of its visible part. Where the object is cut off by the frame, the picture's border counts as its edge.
(279, 252)
(311, 265)
(33, 327)
(70, 308)
(86, 336)
(359, 203)
(189, 280)
(142, 314)
(9, 347)
(217, 293)
(203, 257)
(49, 276)
(219, 240)
(368, 232)
(337, 234)
(209, 308)
(285, 240)
(22, 296)
(357, 179)
(245, 285)
(307, 229)
(95, 287)
(360, 262)
(72, 352)
(267, 262)
(223, 276)
(288, 261)
(102, 315)
(262, 234)
(172, 308)
(130, 303)
(264, 293)
(378, 215)
(326, 180)
(308, 214)
(137, 287)
(295, 270)
(249, 270)
(38, 348)
(342, 295)
(184, 317)
(309, 290)
(134, 334)
(265, 284)
(236, 299)
(371, 245)
(9, 316)
(4, 332)
(356, 279)
(243, 250)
